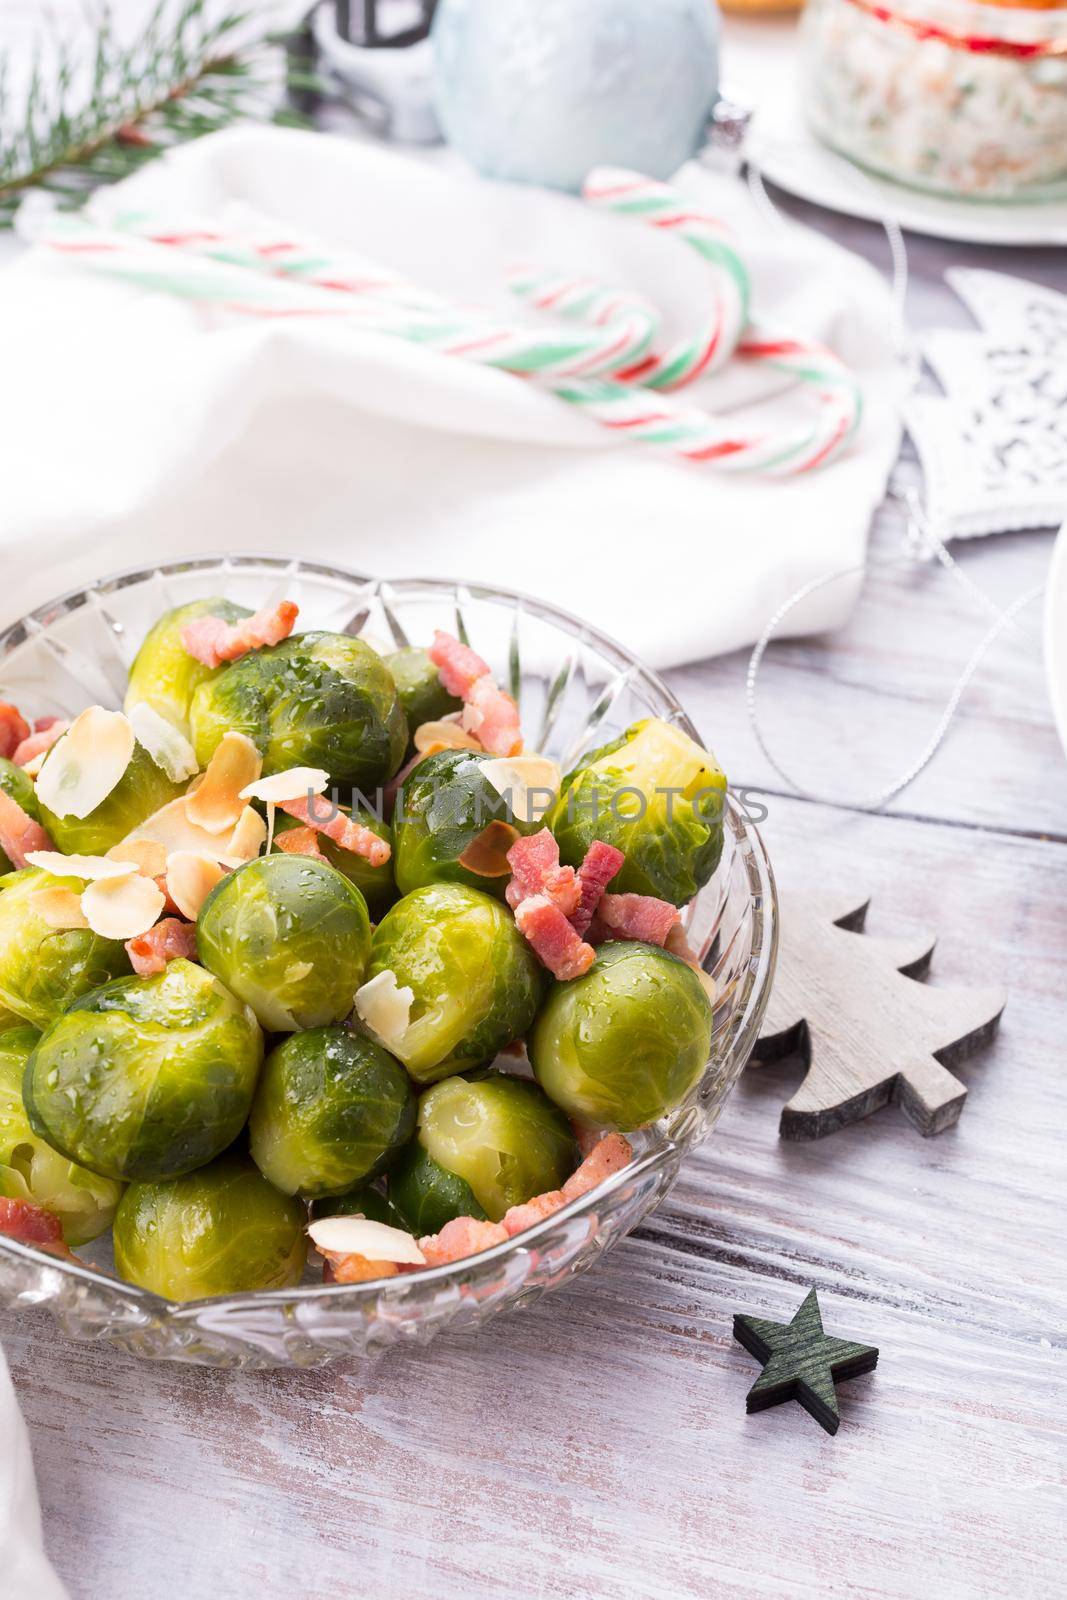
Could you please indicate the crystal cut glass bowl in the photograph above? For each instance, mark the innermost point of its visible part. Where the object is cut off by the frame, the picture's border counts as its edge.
(576, 690)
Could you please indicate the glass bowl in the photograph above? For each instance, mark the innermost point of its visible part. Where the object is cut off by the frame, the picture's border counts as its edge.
(576, 689)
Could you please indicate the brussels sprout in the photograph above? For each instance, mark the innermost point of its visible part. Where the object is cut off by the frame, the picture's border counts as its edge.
(476, 982)
(331, 1109)
(448, 804)
(363, 1202)
(418, 683)
(498, 1140)
(146, 1078)
(142, 789)
(15, 783)
(317, 700)
(31, 1170)
(164, 674)
(221, 1230)
(42, 969)
(624, 1044)
(655, 795)
(290, 936)
(375, 884)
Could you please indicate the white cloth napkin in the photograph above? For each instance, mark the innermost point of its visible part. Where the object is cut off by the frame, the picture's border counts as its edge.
(135, 426)
(24, 1570)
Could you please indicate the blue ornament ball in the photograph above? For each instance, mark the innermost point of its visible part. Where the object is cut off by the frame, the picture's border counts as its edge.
(541, 91)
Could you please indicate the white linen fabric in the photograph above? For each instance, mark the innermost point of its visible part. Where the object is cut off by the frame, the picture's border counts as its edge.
(25, 1573)
(137, 426)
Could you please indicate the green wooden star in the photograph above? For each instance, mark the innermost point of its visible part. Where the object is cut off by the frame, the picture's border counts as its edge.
(801, 1363)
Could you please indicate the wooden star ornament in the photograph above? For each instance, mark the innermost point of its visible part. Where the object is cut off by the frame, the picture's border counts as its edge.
(801, 1362)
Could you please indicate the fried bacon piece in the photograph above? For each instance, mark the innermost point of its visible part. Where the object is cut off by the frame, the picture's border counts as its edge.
(19, 834)
(535, 870)
(13, 729)
(32, 1224)
(602, 862)
(344, 831)
(46, 730)
(458, 666)
(213, 641)
(170, 940)
(460, 1238)
(300, 842)
(608, 1156)
(353, 1268)
(634, 916)
(519, 1218)
(489, 713)
(552, 938)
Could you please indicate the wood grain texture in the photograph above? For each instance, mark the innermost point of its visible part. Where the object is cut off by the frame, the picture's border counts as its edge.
(596, 1446)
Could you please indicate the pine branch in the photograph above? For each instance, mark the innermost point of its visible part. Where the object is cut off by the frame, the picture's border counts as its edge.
(80, 124)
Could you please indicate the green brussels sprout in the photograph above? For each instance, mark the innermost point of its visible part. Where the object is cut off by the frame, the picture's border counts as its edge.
(290, 936)
(497, 1139)
(31, 1170)
(476, 982)
(221, 1230)
(164, 674)
(146, 1078)
(142, 789)
(418, 683)
(375, 884)
(316, 700)
(625, 1043)
(655, 795)
(448, 805)
(331, 1110)
(15, 783)
(42, 969)
(363, 1202)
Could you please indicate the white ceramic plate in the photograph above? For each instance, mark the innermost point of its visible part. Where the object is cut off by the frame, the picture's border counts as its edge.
(760, 68)
(1056, 634)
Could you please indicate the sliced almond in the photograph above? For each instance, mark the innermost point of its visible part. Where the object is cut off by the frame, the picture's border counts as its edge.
(295, 783)
(246, 841)
(122, 908)
(531, 783)
(374, 1241)
(169, 749)
(147, 855)
(171, 827)
(87, 867)
(445, 735)
(487, 855)
(60, 908)
(84, 766)
(385, 1007)
(219, 797)
(32, 767)
(190, 879)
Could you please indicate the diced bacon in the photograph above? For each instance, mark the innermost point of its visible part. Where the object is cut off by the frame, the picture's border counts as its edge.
(519, 1218)
(609, 1155)
(42, 724)
(552, 938)
(492, 716)
(535, 869)
(212, 641)
(602, 862)
(458, 666)
(634, 916)
(39, 741)
(344, 831)
(19, 834)
(355, 1269)
(169, 940)
(32, 1224)
(13, 729)
(300, 842)
(460, 1238)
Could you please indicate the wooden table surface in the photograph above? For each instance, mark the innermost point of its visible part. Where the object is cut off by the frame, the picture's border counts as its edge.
(597, 1445)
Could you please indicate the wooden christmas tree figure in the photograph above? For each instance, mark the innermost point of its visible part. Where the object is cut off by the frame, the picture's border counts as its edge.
(868, 1032)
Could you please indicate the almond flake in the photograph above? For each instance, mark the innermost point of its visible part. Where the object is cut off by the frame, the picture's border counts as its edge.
(122, 908)
(531, 782)
(246, 841)
(295, 783)
(487, 854)
(84, 766)
(60, 908)
(374, 1241)
(171, 827)
(190, 879)
(219, 797)
(147, 855)
(169, 749)
(85, 867)
(385, 1007)
(445, 735)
